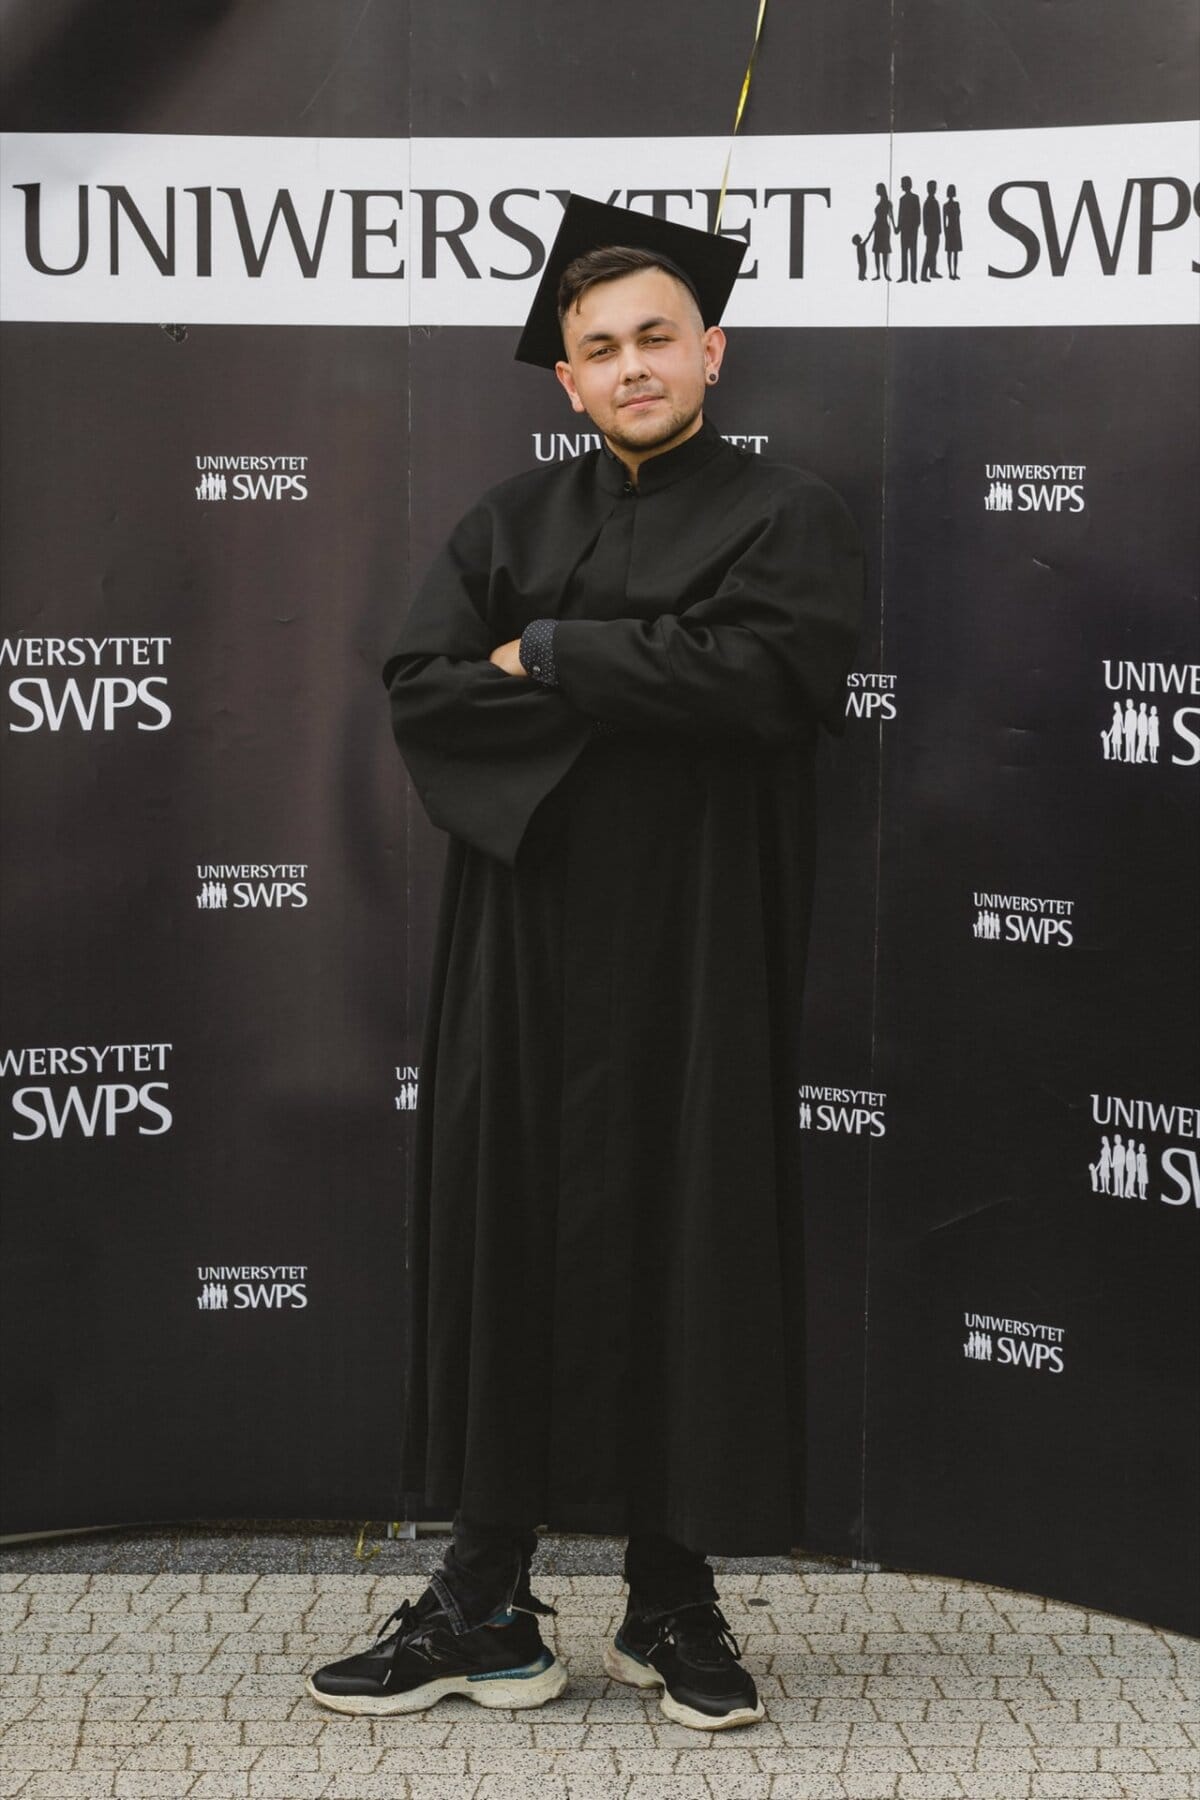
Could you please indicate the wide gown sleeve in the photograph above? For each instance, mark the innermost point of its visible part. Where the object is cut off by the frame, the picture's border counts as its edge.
(765, 654)
(484, 748)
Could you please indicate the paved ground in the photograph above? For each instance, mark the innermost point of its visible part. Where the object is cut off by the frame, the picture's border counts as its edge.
(141, 1684)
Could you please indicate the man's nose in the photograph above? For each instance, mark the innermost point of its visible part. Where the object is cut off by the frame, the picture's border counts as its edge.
(632, 363)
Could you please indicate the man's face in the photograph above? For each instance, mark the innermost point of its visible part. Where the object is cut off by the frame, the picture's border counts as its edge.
(637, 360)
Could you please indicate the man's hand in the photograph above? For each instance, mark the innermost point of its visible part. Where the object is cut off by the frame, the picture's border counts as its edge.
(507, 657)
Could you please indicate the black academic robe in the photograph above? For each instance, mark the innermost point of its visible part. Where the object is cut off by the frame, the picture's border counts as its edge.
(606, 1277)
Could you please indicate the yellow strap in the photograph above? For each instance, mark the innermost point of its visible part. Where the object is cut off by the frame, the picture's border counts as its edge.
(741, 107)
(361, 1552)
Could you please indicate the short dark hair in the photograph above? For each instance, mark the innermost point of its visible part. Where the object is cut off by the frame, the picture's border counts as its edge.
(609, 263)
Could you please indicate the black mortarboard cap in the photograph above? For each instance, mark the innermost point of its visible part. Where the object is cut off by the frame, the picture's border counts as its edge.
(709, 262)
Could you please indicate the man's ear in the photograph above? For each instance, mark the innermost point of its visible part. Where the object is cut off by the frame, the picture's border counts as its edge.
(563, 371)
(714, 349)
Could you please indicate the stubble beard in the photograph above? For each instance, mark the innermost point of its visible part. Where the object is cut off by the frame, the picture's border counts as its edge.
(678, 422)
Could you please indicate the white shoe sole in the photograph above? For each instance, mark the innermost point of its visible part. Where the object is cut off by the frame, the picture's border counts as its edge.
(644, 1675)
(510, 1689)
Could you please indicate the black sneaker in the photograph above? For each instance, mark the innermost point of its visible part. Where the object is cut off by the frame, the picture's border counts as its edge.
(502, 1663)
(692, 1654)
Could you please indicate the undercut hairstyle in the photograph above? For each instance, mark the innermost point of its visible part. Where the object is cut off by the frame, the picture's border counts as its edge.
(609, 263)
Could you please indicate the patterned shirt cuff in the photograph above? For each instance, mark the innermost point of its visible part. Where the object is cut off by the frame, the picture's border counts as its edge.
(537, 651)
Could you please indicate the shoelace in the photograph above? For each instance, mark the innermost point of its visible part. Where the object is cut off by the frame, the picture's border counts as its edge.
(525, 1601)
(704, 1621)
(405, 1618)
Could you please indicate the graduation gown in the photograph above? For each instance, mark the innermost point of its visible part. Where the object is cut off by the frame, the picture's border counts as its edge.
(605, 1306)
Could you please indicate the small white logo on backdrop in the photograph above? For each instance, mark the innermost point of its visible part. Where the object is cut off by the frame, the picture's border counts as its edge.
(856, 1112)
(1023, 919)
(271, 1287)
(1014, 1343)
(1146, 724)
(407, 1078)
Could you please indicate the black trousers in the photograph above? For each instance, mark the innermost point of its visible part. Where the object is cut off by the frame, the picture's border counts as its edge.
(486, 1568)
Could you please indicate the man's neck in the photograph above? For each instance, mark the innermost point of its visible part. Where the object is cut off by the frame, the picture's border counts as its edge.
(633, 459)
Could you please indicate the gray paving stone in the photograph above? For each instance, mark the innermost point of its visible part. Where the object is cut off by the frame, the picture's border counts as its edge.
(303, 1729)
(97, 1707)
(431, 1746)
(158, 1756)
(899, 1686)
(173, 1706)
(878, 1734)
(819, 1785)
(288, 1786)
(1048, 1618)
(233, 1758)
(287, 1759)
(32, 1732)
(723, 1756)
(36, 1753)
(859, 1763)
(816, 1734)
(845, 1706)
(1181, 1761)
(1080, 1731)
(727, 1786)
(1160, 1787)
(12, 1712)
(978, 1712)
(366, 1787)
(944, 1731)
(338, 1758)
(982, 1687)
(261, 1706)
(1149, 1733)
(91, 1785)
(116, 1731)
(120, 1682)
(1166, 1706)
(880, 1785)
(597, 1708)
(442, 1787)
(1076, 1758)
(640, 1760)
(825, 1644)
(650, 1787)
(528, 1763)
(927, 1787)
(1075, 1787)
(969, 1758)
(999, 1737)
(1043, 1712)
(142, 1785)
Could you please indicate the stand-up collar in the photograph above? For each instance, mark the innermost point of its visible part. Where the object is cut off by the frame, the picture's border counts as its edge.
(661, 470)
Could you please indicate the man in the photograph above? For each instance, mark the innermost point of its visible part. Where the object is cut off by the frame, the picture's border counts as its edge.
(607, 691)
(931, 220)
(908, 221)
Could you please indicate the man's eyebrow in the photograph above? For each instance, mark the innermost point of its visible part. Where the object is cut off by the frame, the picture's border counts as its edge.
(592, 337)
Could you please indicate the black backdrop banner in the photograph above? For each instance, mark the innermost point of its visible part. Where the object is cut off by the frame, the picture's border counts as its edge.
(262, 266)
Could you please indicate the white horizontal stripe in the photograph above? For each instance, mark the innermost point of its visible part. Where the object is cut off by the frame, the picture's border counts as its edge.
(1131, 169)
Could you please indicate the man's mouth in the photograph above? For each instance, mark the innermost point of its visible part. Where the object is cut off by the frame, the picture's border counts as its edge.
(642, 400)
